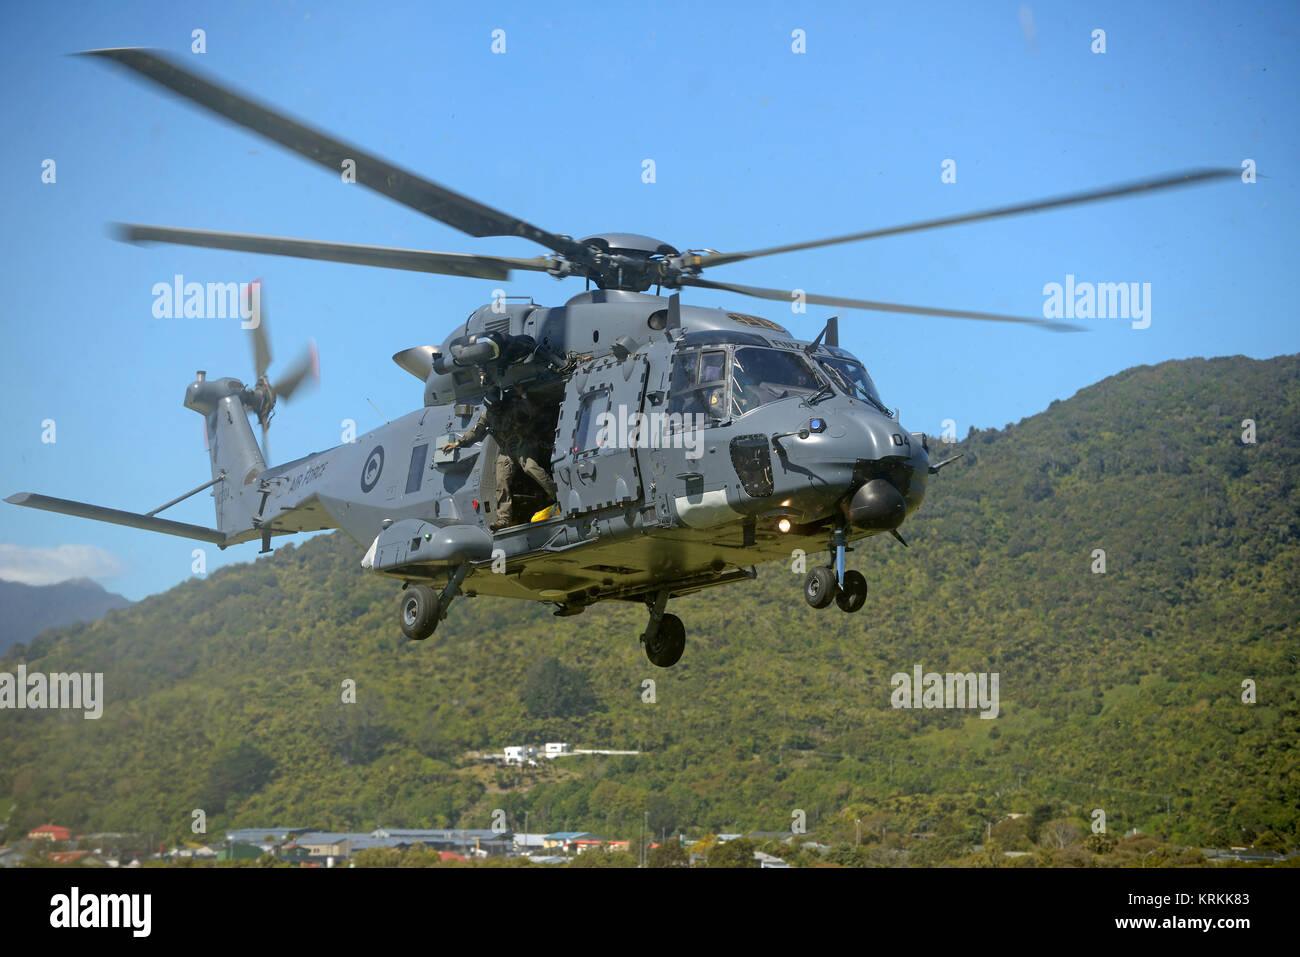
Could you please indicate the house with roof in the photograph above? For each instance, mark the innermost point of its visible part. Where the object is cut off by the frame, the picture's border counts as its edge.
(479, 842)
(78, 858)
(49, 832)
(527, 843)
(330, 843)
(561, 840)
(263, 835)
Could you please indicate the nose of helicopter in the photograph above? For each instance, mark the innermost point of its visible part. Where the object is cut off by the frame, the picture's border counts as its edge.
(889, 471)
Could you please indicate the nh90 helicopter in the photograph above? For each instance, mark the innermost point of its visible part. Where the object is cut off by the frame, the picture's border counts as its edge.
(689, 444)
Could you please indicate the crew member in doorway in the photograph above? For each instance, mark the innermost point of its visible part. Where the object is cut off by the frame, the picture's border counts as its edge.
(517, 424)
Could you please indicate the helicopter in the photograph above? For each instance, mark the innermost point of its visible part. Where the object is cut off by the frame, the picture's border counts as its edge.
(688, 445)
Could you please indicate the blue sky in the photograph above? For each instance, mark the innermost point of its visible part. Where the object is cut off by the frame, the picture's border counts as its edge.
(753, 145)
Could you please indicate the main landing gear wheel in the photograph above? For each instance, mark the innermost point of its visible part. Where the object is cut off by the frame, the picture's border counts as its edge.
(665, 646)
(419, 611)
(853, 593)
(820, 587)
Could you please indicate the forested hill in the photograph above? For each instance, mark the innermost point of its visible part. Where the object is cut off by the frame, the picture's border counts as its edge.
(1119, 690)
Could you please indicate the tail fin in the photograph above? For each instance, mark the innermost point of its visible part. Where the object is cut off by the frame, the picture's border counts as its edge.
(232, 448)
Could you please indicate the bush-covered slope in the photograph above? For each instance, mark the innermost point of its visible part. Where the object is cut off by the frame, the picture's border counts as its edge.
(1120, 691)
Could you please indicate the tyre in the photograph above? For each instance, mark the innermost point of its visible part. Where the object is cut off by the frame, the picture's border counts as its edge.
(853, 594)
(820, 587)
(665, 647)
(419, 612)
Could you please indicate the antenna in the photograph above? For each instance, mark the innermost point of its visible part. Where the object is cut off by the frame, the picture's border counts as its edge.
(376, 408)
(832, 333)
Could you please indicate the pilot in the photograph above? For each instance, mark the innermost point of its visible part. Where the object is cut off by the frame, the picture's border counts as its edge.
(517, 423)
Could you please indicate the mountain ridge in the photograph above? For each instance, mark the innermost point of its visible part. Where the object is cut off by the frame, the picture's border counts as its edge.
(27, 610)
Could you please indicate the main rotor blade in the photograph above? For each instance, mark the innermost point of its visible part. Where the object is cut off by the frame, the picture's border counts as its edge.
(437, 202)
(1187, 178)
(387, 257)
(783, 295)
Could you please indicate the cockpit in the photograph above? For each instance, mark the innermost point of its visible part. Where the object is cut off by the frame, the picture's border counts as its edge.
(725, 382)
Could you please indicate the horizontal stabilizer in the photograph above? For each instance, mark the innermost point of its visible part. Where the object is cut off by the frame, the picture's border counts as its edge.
(100, 514)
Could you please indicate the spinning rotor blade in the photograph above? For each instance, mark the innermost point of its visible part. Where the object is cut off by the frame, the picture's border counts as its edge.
(308, 364)
(261, 341)
(1187, 178)
(783, 295)
(405, 187)
(388, 257)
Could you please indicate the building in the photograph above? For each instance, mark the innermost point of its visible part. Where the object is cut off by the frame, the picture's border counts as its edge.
(80, 858)
(480, 842)
(330, 843)
(520, 754)
(527, 843)
(563, 840)
(264, 835)
(554, 749)
(198, 852)
(239, 852)
(49, 832)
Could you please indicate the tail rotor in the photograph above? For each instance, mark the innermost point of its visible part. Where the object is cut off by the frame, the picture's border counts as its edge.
(303, 374)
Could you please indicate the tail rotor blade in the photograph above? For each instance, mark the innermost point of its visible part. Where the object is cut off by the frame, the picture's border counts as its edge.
(257, 316)
(307, 366)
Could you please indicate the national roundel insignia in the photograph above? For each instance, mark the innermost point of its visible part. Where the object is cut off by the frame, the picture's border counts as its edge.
(373, 467)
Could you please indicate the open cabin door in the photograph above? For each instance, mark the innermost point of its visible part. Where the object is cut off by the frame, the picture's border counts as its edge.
(595, 464)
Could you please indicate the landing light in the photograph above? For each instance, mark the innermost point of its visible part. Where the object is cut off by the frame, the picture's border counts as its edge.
(783, 525)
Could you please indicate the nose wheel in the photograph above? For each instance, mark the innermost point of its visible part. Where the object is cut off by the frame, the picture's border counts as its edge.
(832, 583)
(852, 595)
(820, 587)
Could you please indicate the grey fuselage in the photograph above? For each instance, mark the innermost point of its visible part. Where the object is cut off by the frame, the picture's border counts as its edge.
(661, 508)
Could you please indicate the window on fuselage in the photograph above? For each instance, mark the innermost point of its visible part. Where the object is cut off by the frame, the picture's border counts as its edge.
(415, 472)
(589, 412)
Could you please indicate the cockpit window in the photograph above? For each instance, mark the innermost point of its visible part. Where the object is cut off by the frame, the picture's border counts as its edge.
(851, 377)
(759, 376)
(699, 384)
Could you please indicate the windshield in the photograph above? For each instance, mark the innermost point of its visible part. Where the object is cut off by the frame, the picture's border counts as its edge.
(852, 378)
(759, 376)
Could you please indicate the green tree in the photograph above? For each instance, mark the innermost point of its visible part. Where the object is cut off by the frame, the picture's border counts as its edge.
(669, 853)
(738, 852)
(554, 690)
(237, 769)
